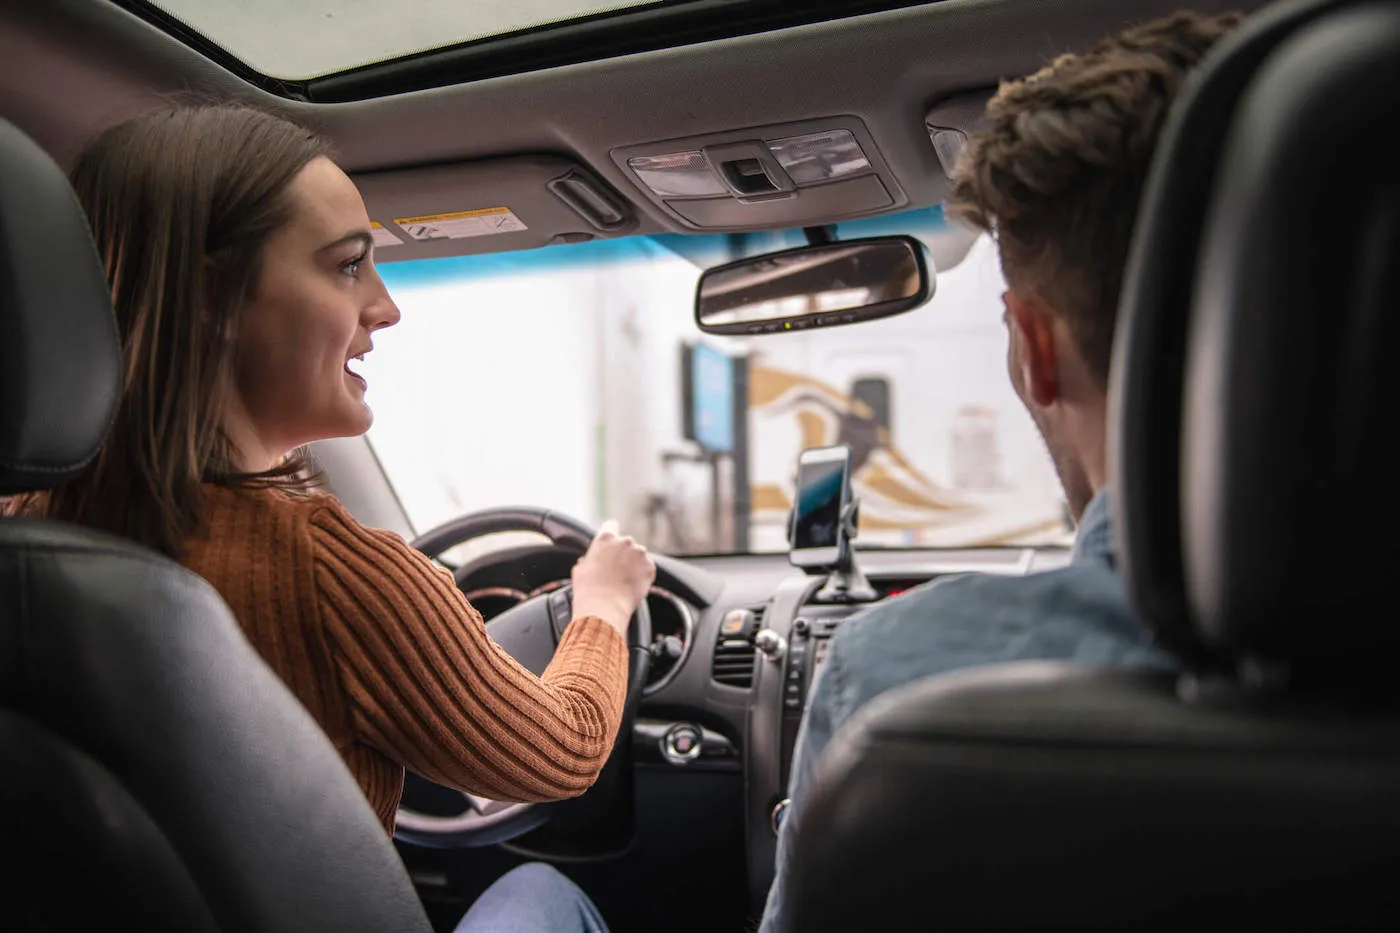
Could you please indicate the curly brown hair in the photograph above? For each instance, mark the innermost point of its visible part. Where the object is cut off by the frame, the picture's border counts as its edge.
(1057, 174)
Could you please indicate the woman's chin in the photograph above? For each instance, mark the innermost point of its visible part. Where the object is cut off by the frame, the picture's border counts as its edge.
(363, 422)
(354, 419)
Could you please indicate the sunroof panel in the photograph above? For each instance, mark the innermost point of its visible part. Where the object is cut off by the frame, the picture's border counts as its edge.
(300, 39)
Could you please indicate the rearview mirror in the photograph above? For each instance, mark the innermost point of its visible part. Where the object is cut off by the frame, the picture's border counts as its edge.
(815, 286)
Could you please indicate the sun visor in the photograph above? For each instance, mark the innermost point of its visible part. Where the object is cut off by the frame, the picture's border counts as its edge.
(489, 206)
(952, 120)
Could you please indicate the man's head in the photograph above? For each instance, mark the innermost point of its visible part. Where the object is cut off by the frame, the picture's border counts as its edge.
(1056, 177)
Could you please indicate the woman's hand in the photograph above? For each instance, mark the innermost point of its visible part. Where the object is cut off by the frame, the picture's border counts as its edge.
(612, 578)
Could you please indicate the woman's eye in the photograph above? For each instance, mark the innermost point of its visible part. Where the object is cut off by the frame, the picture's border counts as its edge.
(352, 268)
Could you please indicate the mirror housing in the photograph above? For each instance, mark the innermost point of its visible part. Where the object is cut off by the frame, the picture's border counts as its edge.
(824, 285)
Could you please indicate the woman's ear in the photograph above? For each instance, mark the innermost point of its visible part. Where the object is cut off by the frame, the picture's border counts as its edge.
(1038, 372)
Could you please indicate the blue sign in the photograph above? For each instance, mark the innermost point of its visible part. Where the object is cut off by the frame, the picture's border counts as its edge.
(712, 395)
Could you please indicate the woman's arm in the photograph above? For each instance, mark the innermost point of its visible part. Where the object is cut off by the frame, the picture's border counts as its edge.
(428, 687)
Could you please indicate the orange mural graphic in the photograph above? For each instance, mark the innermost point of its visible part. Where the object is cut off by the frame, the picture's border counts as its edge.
(895, 494)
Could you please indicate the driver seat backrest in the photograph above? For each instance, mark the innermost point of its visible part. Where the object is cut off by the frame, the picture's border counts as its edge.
(157, 774)
(1257, 525)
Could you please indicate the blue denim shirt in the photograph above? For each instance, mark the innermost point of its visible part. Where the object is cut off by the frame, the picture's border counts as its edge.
(1077, 613)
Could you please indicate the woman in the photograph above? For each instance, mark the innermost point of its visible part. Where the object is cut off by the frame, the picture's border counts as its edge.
(240, 259)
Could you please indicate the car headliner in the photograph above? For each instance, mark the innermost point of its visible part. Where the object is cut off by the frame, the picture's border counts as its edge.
(72, 67)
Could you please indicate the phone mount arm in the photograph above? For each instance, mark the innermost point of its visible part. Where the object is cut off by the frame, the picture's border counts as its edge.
(845, 583)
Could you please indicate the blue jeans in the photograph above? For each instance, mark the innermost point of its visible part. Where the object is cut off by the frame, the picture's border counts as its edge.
(534, 898)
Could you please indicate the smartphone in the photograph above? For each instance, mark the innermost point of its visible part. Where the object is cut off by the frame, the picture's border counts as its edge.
(823, 491)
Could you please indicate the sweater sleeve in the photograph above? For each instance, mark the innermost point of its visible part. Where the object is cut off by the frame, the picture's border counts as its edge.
(427, 687)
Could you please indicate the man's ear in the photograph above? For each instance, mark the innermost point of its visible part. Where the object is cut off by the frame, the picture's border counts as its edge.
(1034, 324)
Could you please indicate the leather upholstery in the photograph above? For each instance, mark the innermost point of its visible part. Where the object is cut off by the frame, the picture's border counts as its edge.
(60, 364)
(1154, 316)
(1258, 528)
(156, 770)
(1291, 520)
(1040, 796)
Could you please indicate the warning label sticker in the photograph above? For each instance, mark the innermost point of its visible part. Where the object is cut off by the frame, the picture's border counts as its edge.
(382, 235)
(461, 224)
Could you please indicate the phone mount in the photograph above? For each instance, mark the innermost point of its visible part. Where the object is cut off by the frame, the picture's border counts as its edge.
(844, 582)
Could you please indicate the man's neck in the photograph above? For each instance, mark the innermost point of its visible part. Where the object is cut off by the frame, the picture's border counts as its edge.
(1089, 439)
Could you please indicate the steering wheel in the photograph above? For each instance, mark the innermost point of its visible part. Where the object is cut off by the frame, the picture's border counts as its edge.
(530, 632)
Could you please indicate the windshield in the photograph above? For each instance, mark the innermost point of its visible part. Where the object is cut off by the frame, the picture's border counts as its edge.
(574, 378)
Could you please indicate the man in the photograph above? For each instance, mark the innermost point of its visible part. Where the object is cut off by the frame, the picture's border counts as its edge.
(1055, 177)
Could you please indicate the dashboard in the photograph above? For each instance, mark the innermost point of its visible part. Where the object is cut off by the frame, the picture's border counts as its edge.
(736, 644)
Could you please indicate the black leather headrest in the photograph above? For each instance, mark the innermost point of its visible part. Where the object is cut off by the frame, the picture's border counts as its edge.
(1154, 310)
(60, 357)
(1291, 512)
(1262, 245)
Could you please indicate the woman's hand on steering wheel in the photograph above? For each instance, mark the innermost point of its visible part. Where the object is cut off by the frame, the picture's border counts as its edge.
(612, 578)
(610, 581)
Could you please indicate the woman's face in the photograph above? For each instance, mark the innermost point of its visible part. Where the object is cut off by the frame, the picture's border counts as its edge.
(317, 302)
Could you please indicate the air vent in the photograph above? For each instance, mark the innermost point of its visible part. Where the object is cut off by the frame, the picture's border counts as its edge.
(734, 661)
(734, 651)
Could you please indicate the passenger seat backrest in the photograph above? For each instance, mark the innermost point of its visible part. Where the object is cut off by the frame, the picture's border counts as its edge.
(157, 774)
(1260, 789)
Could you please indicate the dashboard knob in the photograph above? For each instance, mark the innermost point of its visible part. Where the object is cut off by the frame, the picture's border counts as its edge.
(772, 645)
(801, 626)
(682, 743)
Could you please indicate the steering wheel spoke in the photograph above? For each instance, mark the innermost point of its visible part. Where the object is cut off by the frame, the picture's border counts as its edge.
(482, 805)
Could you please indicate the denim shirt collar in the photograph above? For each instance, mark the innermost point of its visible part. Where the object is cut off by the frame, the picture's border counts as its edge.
(1094, 540)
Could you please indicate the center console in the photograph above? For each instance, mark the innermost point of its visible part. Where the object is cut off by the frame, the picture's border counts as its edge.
(810, 634)
(792, 647)
(794, 640)
(792, 644)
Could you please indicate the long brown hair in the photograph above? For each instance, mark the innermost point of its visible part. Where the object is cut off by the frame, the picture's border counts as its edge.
(182, 202)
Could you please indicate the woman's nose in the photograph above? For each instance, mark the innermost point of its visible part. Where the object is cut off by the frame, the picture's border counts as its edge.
(383, 313)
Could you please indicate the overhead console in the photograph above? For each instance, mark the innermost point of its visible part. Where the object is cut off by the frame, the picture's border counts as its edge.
(491, 205)
(785, 175)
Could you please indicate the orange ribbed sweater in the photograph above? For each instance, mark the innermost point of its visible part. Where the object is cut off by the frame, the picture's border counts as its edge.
(385, 652)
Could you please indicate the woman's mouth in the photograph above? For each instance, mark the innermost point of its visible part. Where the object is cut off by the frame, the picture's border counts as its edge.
(357, 358)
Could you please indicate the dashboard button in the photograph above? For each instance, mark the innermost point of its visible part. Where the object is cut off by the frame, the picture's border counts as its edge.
(801, 625)
(681, 743)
